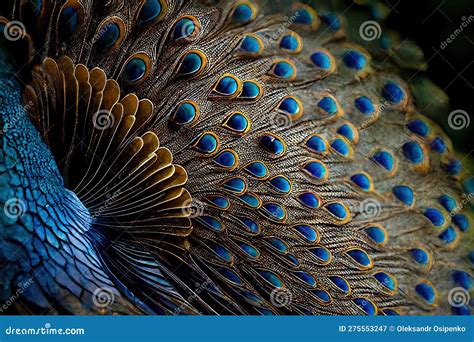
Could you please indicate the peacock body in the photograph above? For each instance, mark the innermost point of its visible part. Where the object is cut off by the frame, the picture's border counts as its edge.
(233, 157)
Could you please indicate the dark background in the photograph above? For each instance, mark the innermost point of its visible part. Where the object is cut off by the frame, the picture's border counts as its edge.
(430, 22)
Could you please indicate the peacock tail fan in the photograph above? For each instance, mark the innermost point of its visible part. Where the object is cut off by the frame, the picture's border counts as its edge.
(223, 157)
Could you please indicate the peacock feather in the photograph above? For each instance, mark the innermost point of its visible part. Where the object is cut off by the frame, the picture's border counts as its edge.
(221, 157)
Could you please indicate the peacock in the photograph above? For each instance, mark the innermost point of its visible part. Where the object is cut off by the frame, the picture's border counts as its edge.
(200, 157)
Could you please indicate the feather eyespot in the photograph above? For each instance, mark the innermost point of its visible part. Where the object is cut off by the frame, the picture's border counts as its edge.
(136, 69)
(192, 63)
(151, 11)
(244, 12)
(185, 29)
(186, 114)
(291, 42)
(70, 16)
(110, 34)
(228, 86)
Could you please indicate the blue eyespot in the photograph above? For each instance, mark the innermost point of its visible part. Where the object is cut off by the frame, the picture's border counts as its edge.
(184, 28)
(419, 127)
(150, 10)
(321, 60)
(316, 169)
(385, 159)
(236, 185)
(447, 202)
(227, 86)
(322, 254)
(366, 306)
(341, 147)
(308, 232)
(376, 234)
(186, 113)
(340, 283)
(250, 225)
(364, 105)
(281, 184)
(413, 152)
(332, 21)
(435, 216)
(273, 144)
(386, 280)
(360, 257)
(226, 159)
(272, 278)
(290, 106)
(211, 223)
(257, 169)
(304, 16)
(243, 13)
(362, 181)
(317, 144)
(306, 277)
(461, 221)
(250, 90)
(328, 105)
(192, 64)
(420, 255)
(404, 193)
(354, 60)
(393, 92)
(207, 143)
(238, 123)
(427, 292)
(291, 42)
(438, 145)
(309, 200)
(449, 235)
(337, 209)
(134, 70)
(68, 20)
(276, 211)
(110, 33)
(251, 44)
(284, 69)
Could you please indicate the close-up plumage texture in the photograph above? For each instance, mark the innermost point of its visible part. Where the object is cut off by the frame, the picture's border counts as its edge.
(221, 157)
